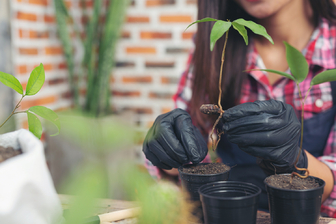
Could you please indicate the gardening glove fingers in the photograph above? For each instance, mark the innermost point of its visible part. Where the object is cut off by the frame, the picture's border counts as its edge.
(180, 142)
(268, 130)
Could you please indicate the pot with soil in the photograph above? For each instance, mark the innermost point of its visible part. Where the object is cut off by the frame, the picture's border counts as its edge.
(194, 176)
(232, 202)
(298, 202)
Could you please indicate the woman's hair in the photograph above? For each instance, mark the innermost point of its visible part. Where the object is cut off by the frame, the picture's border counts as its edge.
(206, 64)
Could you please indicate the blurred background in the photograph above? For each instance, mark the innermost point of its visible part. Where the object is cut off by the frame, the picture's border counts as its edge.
(106, 58)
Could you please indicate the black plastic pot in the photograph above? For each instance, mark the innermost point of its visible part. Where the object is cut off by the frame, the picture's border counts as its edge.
(192, 182)
(230, 202)
(295, 206)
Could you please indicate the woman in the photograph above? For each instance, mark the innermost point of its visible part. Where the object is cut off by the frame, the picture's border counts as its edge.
(267, 129)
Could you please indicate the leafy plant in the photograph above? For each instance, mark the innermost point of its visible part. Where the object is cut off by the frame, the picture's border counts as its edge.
(299, 70)
(35, 83)
(219, 28)
(99, 47)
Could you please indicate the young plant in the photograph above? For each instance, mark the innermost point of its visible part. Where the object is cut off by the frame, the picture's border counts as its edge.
(299, 70)
(219, 28)
(35, 83)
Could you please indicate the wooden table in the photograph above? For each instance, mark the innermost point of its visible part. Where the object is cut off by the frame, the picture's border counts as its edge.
(109, 205)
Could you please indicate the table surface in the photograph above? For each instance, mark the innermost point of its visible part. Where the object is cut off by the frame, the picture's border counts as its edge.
(110, 205)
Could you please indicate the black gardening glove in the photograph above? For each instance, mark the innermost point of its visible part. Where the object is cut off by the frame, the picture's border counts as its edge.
(173, 141)
(268, 130)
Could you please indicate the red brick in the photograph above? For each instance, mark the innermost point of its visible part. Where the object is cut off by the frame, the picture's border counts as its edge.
(49, 19)
(67, 95)
(176, 19)
(38, 34)
(22, 69)
(68, 4)
(39, 2)
(56, 81)
(169, 80)
(126, 93)
(141, 50)
(155, 35)
(159, 2)
(21, 33)
(137, 19)
(191, 2)
(156, 64)
(41, 101)
(137, 79)
(125, 34)
(53, 50)
(62, 66)
(160, 95)
(29, 51)
(26, 16)
(187, 35)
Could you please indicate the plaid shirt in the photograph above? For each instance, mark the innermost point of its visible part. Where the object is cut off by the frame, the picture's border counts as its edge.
(320, 55)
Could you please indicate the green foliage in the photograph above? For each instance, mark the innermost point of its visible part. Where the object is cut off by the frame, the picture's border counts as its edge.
(217, 31)
(35, 83)
(299, 68)
(256, 28)
(241, 29)
(220, 27)
(47, 114)
(34, 125)
(62, 17)
(297, 63)
(11, 82)
(95, 66)
(36, 80)
(325, 76)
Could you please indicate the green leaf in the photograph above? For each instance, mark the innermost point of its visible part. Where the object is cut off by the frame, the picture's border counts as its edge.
(47, 114)
(256, 28)
(207, 19)
(36, 80)
(217, 31)
(274, 71)
(326, 76)
(296, 62)
(34, 125)
(11, 81)
(241, 29)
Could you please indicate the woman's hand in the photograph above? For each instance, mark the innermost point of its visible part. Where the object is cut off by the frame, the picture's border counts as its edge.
(173, 141)
(268, 130)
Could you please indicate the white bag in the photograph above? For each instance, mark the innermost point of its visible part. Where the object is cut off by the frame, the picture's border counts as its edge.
(27, 193)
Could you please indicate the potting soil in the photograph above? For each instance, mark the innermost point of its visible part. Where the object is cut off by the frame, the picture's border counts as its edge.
(283, 181)
(6, 153)
(211, 168)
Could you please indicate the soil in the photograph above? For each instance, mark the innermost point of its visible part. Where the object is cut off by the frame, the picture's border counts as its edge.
(211, 168)
(283, 181)
(6, 153)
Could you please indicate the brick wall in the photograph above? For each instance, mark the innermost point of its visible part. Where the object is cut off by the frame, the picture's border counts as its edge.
(150, 56)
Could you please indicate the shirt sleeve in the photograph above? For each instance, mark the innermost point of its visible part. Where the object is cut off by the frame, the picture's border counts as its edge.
(181, 99)
(329, 158)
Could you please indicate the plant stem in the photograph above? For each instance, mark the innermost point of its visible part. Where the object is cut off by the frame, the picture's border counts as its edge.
(221, 71)
(301, 140)
(220, 94)
(13, 112)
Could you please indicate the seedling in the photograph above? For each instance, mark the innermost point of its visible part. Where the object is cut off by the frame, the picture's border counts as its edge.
(220, 28)
(35, 83)
(299, 70)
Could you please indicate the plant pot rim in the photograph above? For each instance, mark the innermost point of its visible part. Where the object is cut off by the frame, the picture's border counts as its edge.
(293, 190)
(230, 198)
(192, 174)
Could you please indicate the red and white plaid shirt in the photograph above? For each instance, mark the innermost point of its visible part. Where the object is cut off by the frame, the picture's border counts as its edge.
(320, 55)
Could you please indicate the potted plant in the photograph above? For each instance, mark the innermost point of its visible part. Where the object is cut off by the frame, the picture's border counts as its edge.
(194, 176)
(26, 188)
(295, 198)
